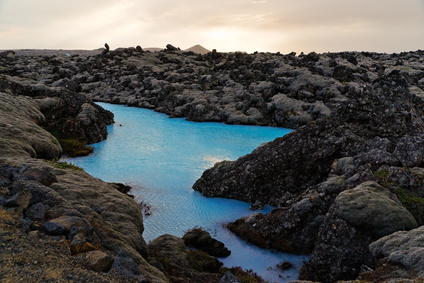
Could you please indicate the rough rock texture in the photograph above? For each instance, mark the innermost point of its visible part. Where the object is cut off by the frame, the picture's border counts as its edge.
(170, 255)
(318, 176)
(403, 249)
(69, 116)
(20, 133)
(202, 240)
(35, 257)
(375, 209)
(87, 212)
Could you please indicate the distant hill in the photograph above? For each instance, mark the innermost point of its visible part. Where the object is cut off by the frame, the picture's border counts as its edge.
(153, 49)
(198, 49)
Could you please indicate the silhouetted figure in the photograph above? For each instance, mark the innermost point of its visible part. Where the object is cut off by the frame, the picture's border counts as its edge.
(106, 50)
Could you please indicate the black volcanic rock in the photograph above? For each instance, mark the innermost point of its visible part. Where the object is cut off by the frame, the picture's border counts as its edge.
(306, 172)
(202, 240)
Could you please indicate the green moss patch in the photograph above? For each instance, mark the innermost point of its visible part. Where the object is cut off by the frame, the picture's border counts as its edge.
(65, 165)
(74, 147)
(414, 204)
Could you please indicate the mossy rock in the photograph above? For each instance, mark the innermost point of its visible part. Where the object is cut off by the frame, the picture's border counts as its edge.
(74, 147)
(374, 209)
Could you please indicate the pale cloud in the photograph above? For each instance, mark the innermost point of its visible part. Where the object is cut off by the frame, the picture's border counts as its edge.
(263, 25)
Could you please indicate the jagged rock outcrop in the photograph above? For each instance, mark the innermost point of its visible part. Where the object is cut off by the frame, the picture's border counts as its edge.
(318, 177)
(18, 118)
(66, 113)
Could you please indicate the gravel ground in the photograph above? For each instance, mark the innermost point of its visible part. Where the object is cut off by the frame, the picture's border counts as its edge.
(36, 257)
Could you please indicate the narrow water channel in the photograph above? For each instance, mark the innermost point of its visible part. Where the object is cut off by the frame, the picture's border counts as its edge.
(161, 158)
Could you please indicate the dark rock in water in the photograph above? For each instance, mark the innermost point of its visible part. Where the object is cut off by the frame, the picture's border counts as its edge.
(121, 187)
(258, 205)
(145, 208)
(202, 240)
(285, 265)
(229, 278)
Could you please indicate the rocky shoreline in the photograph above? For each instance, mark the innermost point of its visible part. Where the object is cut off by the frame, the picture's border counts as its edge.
(58, 223)
(347, 183)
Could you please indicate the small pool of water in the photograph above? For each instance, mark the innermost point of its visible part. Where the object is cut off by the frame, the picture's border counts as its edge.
(161, 158)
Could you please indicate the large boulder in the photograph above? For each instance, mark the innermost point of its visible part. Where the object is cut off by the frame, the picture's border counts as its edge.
(20, 133)
(202, 240)
(404, 250)
(374, 209)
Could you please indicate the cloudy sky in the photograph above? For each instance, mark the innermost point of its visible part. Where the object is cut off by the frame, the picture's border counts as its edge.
(226, 25)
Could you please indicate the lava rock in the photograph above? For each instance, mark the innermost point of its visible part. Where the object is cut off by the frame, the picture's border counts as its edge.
(202, 240)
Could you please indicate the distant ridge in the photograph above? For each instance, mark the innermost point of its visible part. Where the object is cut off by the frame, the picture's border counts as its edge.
(198, 49)
(153, 49)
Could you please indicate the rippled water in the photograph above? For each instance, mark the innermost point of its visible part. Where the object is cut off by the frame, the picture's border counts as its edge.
(161, 158)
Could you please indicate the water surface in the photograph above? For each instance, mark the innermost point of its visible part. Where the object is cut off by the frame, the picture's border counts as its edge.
(161, 158)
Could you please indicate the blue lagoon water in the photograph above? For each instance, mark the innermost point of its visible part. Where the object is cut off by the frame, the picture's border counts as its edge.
(161, 158)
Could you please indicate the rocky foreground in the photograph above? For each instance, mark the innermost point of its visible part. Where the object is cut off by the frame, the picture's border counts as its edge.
(347, 183)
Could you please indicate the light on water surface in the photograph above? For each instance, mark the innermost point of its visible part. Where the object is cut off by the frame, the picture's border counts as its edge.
(161, 158)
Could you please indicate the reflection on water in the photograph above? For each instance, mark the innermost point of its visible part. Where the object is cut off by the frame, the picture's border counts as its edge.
(161, 158)
(209, 161)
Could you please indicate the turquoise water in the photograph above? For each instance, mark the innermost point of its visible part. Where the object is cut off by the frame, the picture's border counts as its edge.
(161, 158)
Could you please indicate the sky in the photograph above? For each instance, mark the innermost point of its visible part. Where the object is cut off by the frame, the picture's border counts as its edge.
(226, 25)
